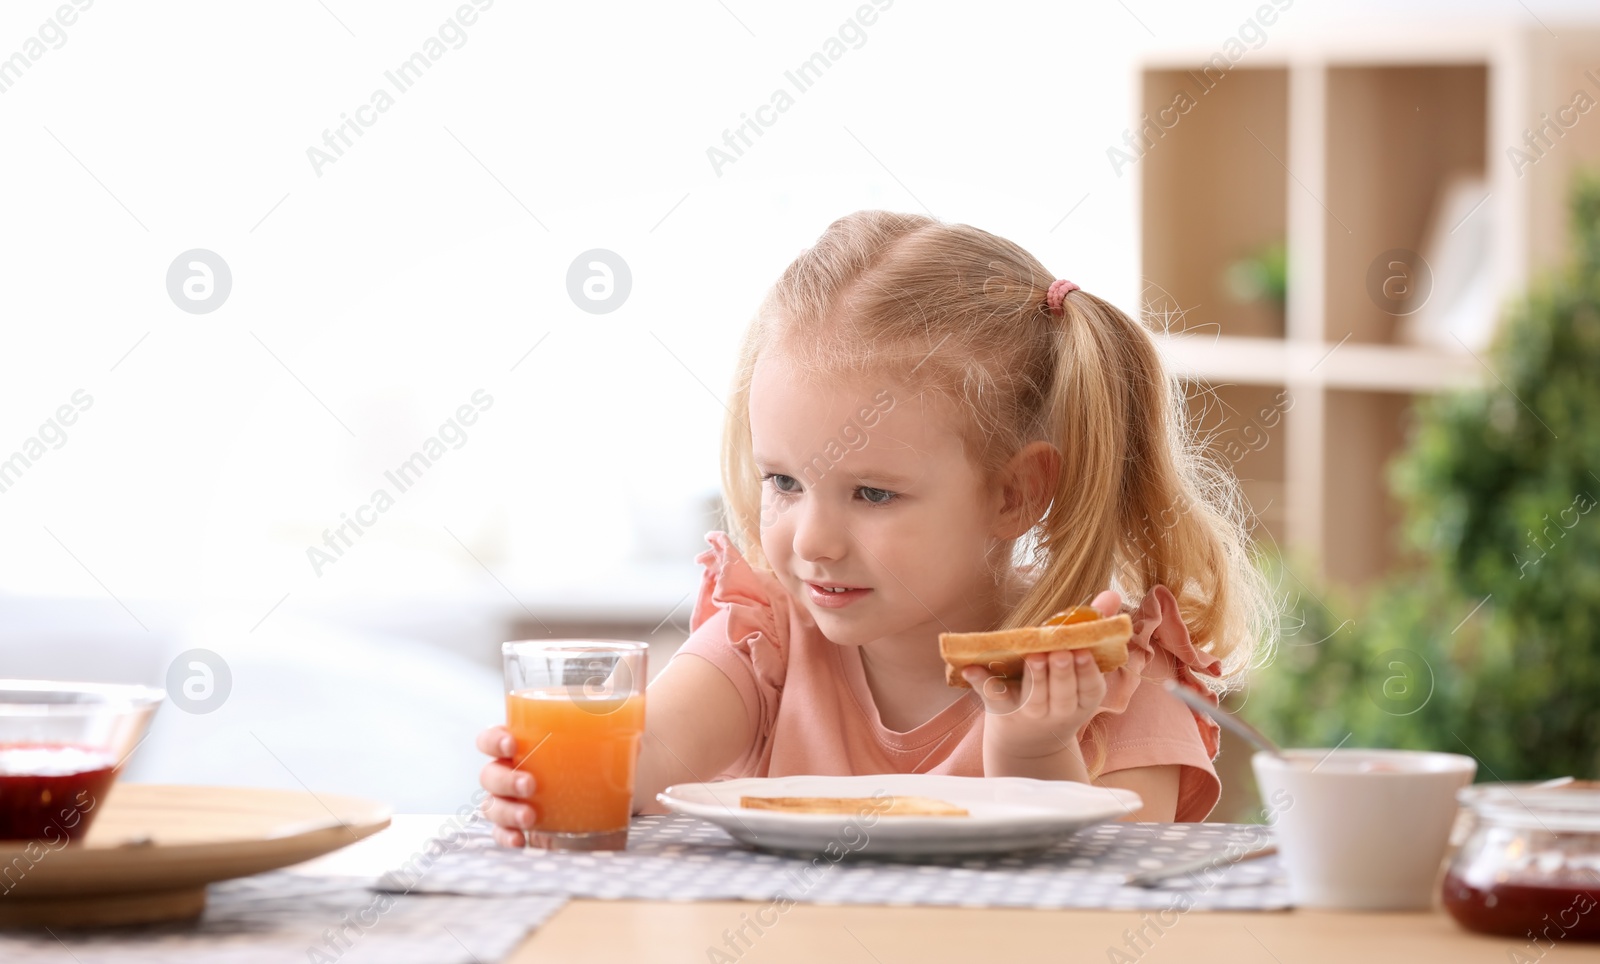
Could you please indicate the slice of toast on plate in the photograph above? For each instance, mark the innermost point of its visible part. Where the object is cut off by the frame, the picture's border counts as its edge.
(899, 806)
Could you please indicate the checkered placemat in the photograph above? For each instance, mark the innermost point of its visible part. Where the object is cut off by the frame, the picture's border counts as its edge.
(681, 858)
(281, 916)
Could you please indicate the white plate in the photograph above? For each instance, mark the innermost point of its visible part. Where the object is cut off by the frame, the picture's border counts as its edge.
(1006, 813)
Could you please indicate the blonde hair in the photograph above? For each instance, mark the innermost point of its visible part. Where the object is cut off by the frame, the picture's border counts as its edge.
(958, 313)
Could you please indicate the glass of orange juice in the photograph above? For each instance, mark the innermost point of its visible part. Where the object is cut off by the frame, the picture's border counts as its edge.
(576, 709)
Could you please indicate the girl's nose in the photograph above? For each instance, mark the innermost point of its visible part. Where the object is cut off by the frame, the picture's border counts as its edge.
(819, 532)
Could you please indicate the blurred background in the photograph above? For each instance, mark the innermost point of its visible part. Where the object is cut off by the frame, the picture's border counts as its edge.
(343, 342)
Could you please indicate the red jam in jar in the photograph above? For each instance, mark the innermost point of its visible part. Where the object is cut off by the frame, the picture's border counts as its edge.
(47, 790)
(1526, 910)
(1530, 867)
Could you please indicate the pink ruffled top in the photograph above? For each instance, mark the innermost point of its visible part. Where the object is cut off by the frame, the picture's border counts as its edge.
(813, 713)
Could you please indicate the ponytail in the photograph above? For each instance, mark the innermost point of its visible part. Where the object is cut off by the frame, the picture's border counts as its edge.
(1171, 516)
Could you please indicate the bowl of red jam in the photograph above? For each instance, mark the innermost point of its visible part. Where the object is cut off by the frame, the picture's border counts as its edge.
(1530, 865)
(62, 746)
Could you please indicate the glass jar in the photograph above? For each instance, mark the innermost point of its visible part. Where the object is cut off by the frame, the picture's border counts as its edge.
(1530, 865)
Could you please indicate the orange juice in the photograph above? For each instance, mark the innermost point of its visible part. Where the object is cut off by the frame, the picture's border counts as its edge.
(582, 755)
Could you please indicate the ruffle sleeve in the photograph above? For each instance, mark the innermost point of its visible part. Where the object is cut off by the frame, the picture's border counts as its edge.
(750, 644)
(1143, 725)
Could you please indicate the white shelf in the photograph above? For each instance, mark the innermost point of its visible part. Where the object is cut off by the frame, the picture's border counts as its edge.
(1336, 141)
(1351, 365)
(1378, 41)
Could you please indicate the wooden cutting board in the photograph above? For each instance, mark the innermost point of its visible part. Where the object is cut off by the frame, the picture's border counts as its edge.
(150, 854)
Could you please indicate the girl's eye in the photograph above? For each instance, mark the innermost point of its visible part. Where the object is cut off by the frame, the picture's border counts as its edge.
(786, 485)
(876, 496)
(779, 482)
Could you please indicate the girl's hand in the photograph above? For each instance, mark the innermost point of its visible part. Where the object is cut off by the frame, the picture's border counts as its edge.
(1039, 716)
(507, 806)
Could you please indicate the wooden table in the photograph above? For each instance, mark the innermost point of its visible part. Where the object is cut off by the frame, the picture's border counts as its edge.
(642, 932)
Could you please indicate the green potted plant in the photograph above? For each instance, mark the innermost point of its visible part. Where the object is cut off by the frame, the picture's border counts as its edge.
(1489, 643)
(1262, 277)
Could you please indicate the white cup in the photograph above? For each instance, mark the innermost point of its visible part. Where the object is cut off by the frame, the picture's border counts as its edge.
(1362, 829)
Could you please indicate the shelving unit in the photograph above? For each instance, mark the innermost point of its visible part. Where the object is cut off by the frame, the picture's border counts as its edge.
(1339, 145)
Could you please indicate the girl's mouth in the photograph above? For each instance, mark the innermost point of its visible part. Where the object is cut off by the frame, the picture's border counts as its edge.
(834, 599)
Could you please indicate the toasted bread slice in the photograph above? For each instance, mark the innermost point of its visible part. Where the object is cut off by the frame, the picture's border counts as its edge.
(1001, 652)
(888, 805)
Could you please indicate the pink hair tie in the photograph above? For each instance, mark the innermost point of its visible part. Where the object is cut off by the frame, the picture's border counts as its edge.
(1058, 293)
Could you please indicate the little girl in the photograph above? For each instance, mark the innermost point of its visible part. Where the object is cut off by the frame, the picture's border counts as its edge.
(916, 406)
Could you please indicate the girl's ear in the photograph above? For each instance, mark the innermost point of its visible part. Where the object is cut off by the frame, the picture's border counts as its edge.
(1025, 487)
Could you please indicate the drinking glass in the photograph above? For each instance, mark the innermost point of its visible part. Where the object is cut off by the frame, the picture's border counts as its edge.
(576, 710)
